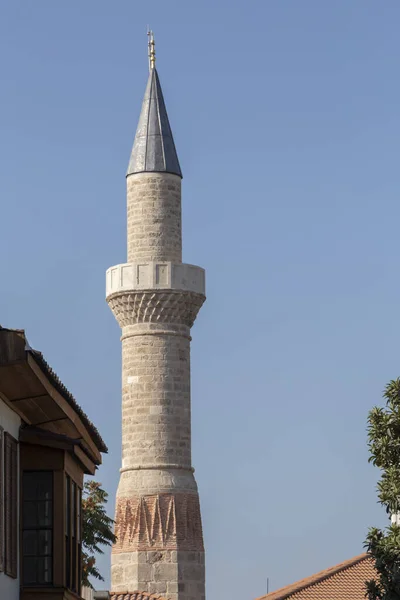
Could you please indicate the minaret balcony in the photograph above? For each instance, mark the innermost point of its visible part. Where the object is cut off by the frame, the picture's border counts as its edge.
(155, 276)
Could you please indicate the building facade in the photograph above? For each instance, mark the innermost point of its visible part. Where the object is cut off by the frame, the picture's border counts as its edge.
(155, 298)
(47, 444)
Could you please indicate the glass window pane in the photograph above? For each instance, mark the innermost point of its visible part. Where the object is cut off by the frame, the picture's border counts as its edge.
(44, 570)
(73, 502)
(68, 561)
(44, 486)
(30, 514)
(74, 582)
(45, 542)
(38, 570)
(37, 542)
(79, 568)
(68, 505)
(30, 543)
(79, 517)
(29, 570)
(29, 486)
(38, 485)
(44, 514)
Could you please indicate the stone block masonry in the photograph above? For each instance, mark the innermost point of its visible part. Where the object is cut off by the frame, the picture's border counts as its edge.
(173, 574)
(156, 401)
(154, 218)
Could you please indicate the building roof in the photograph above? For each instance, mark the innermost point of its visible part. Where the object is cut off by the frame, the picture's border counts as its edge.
(56, 381)
(345, 581)
(134, 596)
(33, 389)
(154, 148)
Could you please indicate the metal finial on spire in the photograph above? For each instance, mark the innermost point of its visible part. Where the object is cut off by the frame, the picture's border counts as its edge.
(152, 50)
(153, 149)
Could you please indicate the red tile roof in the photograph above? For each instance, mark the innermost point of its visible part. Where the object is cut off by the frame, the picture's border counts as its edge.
(345, 581)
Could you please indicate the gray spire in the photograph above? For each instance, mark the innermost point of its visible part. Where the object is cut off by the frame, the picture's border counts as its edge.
(154, 148)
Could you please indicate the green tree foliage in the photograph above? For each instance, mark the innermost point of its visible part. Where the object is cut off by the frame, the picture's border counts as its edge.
(96, 529)
(384, 447)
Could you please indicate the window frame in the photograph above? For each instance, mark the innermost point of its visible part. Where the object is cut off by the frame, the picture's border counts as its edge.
(37, 528)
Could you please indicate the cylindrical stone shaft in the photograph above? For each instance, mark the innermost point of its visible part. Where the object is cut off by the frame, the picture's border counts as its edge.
(156, 401)
(154, 217)
(158, 523)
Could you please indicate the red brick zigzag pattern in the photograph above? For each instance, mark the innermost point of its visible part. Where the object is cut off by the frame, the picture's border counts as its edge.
(158, 522)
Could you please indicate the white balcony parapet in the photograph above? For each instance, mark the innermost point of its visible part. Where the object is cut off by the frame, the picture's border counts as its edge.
(155, 276)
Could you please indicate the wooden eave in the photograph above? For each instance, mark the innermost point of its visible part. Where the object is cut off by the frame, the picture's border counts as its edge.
(41, 437)
(30, 392)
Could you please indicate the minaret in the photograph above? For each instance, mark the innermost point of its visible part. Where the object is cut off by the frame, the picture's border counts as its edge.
(155, 299)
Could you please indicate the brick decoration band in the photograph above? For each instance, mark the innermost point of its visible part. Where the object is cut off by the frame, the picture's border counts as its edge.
(158, 522)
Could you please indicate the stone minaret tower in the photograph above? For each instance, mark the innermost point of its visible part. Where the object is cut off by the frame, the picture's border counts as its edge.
(155, 299)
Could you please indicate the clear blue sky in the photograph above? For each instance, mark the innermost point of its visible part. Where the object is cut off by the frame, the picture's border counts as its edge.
(286, 120)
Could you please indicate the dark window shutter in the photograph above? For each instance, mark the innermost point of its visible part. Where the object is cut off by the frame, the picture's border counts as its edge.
(11, 504)
(1, 502)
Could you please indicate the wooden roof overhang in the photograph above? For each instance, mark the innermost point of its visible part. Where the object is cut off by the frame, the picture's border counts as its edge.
(30, 387)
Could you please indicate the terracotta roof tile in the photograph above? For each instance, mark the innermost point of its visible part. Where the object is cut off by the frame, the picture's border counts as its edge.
(345, 581)
(134, 596)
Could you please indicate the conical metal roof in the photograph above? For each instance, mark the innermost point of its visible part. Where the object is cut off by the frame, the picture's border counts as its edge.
(154, 149)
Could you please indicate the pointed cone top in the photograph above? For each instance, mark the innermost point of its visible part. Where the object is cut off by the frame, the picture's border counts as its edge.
(154, 148)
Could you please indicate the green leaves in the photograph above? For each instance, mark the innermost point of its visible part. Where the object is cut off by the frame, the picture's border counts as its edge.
(96, 529)
(384, 447)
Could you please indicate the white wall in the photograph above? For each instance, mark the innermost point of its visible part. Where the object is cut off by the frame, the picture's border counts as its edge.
(10, 422)
(87, 593)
